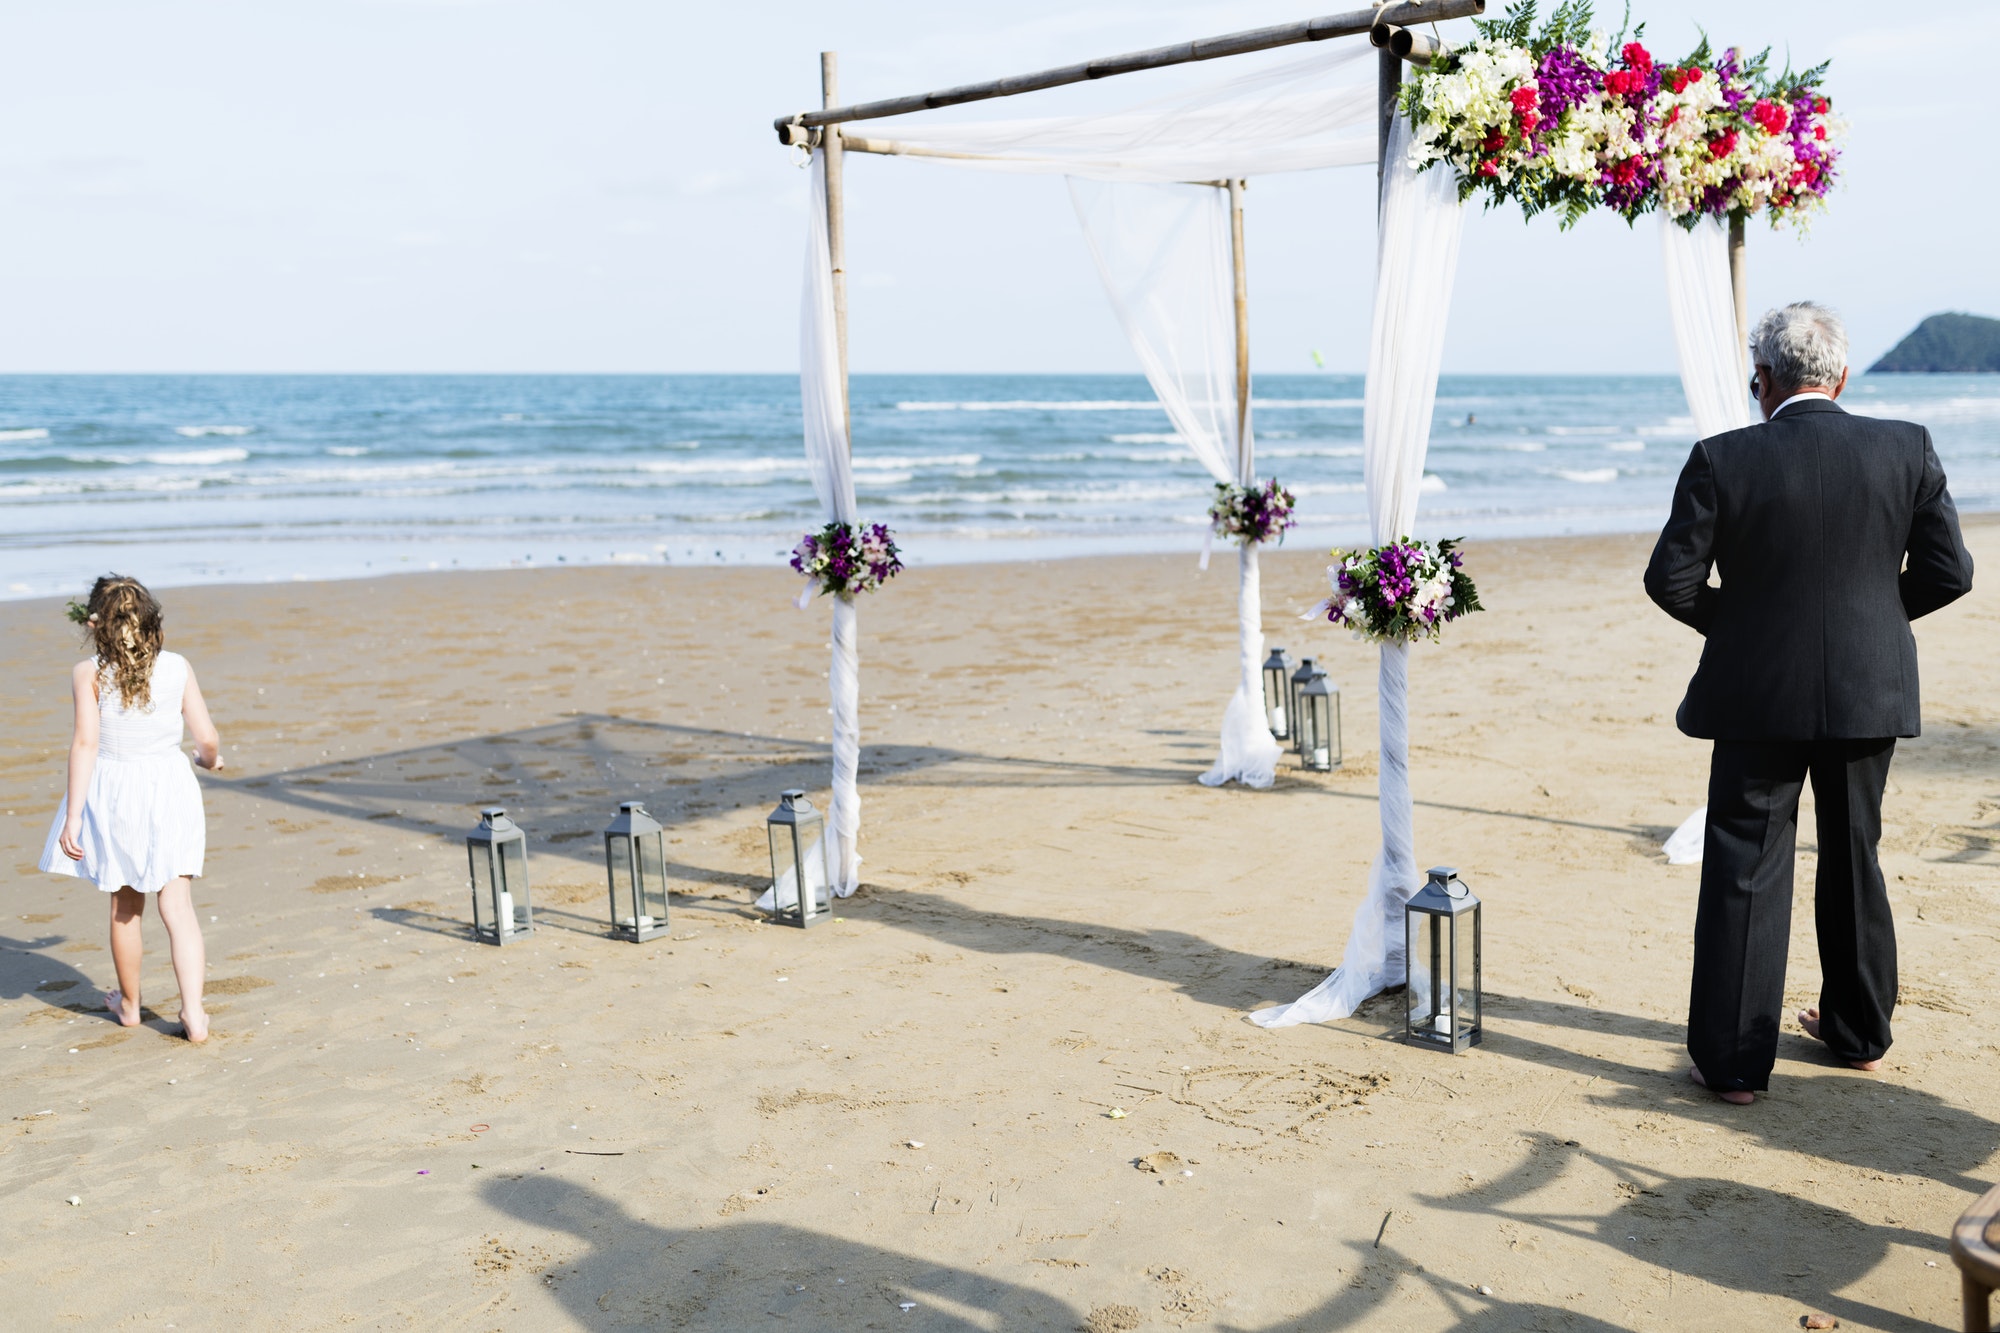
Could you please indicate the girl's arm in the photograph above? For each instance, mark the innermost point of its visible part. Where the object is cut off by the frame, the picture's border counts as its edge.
(82, 754)
(207, 743)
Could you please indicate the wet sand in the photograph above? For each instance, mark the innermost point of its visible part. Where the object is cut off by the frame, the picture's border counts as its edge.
(395, 1127)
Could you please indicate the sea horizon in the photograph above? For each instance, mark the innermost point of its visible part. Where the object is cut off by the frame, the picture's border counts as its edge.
(263, 477)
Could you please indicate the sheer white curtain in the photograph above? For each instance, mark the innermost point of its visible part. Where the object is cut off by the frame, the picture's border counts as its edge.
(1163, 251)
(1714, 375)
(1416, 265)
(1294, 116)
(830, 463)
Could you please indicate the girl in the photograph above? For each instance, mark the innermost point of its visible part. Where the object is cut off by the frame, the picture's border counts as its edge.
(132, 821)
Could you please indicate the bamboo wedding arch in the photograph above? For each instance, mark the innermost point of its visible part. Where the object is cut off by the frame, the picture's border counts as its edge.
(1403, 363)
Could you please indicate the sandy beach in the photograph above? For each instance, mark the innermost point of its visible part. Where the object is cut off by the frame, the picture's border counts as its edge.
(903, 1119)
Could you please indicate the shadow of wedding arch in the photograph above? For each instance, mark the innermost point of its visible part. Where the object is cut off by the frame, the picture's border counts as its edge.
(737, 1274)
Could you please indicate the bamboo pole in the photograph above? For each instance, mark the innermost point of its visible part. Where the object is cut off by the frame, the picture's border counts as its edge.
(1237, 43)
(836, 230)
(1739, 285)
(1245, 463)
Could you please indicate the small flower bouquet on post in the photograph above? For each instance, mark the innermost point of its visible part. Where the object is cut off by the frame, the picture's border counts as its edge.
(846, 558)
(1399, 593)
(1253, 514)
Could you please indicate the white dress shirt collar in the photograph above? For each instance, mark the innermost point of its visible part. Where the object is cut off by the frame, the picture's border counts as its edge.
(1801, 396)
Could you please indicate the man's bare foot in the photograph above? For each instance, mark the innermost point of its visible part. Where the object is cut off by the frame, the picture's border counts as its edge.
(125, 1011)
(194, 1025)
(1809, 1020)
(1734, 1098)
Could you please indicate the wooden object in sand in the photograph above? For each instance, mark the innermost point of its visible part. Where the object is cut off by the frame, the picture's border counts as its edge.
(1975, 1248)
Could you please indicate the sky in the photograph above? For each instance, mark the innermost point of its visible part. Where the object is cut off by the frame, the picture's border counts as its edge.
(593, 186)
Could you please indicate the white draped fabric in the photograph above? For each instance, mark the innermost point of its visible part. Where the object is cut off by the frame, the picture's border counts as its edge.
(1164, 254)
(1416, 265)
(831, 465)
(1715, 376)
(1702, 304)
(1294, 116)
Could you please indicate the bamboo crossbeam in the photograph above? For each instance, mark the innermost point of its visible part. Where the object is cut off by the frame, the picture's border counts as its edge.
(1351, 24)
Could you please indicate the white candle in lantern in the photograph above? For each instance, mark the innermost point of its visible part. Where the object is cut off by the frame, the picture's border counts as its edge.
(506, 912)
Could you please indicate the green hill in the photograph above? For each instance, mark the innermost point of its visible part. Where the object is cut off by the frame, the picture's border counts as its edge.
(1945, 345)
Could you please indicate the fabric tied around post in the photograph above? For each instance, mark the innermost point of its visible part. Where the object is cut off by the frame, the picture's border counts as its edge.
(829, 462)
(1422, 222)
(1163, 251)
(1701, 303)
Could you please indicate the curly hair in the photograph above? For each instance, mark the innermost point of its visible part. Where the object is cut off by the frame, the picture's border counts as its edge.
(125, 629)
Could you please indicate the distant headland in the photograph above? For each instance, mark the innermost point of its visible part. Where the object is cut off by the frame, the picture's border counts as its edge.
(1945, 345)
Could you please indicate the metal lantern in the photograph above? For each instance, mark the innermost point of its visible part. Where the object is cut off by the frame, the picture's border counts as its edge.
(798, 861)
(1298, 682)
(1318, 724)
(635, 862)
(1441, 933)
(497, 854)
(1278, 693)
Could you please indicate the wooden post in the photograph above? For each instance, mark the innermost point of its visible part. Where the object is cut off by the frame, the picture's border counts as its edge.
(1739, 283)
(1244, 462)
(836, 227)
(1389, 84)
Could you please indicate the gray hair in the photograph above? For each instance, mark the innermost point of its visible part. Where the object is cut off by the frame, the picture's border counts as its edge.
(1804, 345)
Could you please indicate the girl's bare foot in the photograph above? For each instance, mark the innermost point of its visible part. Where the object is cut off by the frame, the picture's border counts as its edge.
(1736, 1097)
(1809, 1020)
(194, 1025)
(124, 1010)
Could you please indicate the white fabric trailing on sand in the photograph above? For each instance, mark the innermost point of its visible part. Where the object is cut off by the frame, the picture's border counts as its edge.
(1417, 262)
(1164, 254)
(1715, 376)
(830, 461)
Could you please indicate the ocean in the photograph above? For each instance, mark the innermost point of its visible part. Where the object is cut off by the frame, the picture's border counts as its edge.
(219, 478)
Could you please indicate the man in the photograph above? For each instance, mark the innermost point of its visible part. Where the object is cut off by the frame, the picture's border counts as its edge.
(1830, 534)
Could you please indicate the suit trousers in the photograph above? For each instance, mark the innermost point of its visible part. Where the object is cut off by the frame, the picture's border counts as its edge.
(1743, 924)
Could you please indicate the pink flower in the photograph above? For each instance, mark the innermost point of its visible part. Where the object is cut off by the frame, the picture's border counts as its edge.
(1526, 99)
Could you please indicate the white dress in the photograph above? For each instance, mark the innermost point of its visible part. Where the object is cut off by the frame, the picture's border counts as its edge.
(143, 825)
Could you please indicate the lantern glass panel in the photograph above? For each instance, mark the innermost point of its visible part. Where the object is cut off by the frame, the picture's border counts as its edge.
(653, 876)
(514, 910)
(1431, 944)
(480, 856)
(618, 864)
(1278, 693)
(1298, 682)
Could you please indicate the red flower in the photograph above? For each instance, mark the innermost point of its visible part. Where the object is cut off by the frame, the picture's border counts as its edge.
(1821, 105)
(1621, 83)
(1723, 147)
(1770, 116)
(1531, 119)
(1674, 116)
(1494, 141)
(1526, 99)
(1638, 57)
(1626, 171)
(1694, 75)
(1489, 168)
(1819, 131)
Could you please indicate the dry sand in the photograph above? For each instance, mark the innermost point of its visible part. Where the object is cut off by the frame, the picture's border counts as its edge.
(395, 1127)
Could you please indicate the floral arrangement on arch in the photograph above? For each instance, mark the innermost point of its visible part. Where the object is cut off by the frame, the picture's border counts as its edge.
(1399, 593)
(1253, 514)
(1551, 119)
(846, 558)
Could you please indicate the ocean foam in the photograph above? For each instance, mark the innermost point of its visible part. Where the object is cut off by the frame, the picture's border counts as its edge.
(1595, 476)
(197, 432)
(26, 433)
(196, 457)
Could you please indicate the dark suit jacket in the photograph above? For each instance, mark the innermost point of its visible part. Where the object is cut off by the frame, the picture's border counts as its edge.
(1808, 519)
